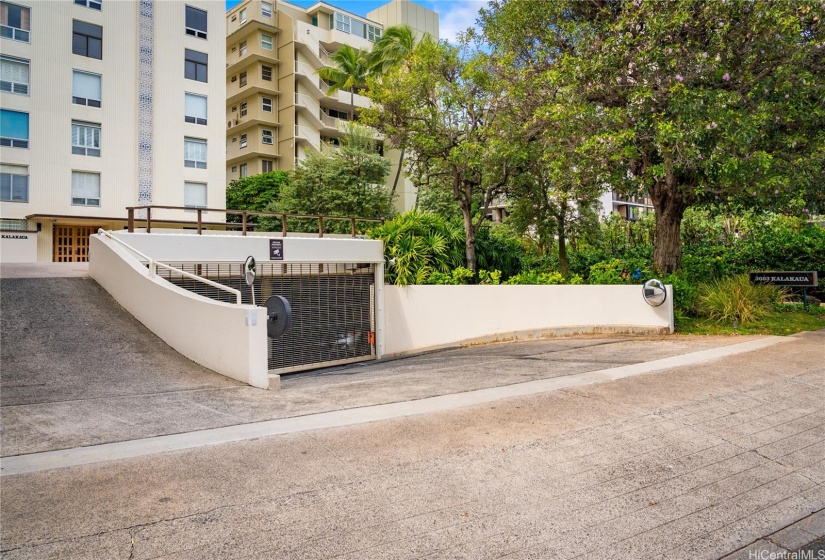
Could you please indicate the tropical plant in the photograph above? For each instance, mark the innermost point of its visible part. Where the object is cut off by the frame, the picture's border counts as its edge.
(349, 73)
(736, 300)
(255, 192)
(417, 244)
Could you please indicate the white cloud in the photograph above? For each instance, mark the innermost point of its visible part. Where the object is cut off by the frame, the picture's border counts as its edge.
(455, 16)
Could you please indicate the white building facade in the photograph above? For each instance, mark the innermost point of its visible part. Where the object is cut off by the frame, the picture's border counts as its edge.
(105, 105)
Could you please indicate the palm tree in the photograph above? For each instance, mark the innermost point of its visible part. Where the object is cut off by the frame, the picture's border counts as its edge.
(350, 72)
(393, 49)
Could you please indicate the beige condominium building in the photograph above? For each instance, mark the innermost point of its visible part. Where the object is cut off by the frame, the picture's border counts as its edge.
(107, 104)
(277, 107)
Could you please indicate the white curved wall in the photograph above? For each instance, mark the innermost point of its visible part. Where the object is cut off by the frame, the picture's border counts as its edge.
(420, 318)
(228, 339)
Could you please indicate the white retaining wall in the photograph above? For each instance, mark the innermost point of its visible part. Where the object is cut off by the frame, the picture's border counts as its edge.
(228, 339)
(421, 318)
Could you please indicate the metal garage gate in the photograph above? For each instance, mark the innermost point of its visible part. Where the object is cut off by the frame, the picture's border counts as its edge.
(333, 307)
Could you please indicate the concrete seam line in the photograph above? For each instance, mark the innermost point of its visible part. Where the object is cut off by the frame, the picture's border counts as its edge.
(47, 460)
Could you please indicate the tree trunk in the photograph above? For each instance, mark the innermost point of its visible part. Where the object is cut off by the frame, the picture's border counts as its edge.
(469, 240)
(562, 233)
(397, 173)
(669, 207)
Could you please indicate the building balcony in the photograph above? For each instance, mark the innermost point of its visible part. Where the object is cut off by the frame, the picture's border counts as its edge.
(255, 115)
(308, 136)
(238, 27)
(254, 145)
(255, 85)
(254, 55)
(309, 76)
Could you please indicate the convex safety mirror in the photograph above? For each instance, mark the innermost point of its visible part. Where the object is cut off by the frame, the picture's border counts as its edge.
(654, 292)
(249, 270)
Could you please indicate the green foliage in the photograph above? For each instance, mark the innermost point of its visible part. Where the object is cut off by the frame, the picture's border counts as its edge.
(489, 277)
(348, 181)
(349, 73)
(499, 249)
(608, 272)
(417, 244)
(455, 277)
(736, 300)
(684, 294)
(535, 277)
(255, 192)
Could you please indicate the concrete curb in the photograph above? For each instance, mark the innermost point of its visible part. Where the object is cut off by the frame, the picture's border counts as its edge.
(37, 462)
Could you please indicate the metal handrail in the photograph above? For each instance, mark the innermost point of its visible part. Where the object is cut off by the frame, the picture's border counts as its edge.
(153, 264)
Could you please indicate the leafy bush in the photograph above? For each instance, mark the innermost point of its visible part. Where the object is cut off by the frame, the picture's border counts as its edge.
(499, 249)
(492, 277)
(736, 300)
(684, 293)
(607, 272)
(456, 277)
(536, 277)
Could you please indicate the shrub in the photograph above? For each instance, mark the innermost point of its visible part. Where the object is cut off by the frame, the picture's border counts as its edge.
(607, 272)
(684, 293)
(736, 300)
(456, 277)
(492, 277)
(535, 277)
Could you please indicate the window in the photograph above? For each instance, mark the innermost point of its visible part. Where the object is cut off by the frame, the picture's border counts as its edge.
(86, 88)
(93, 4)
(196, 65)
(266, 137)
(266, 165)
(14, 183)
(243, 140)
(243, 171)
(266, 104)
(87, 39)
(373, 33)
(85, 188)
(266, 73)
(266, 42)
(14, 75)
(244, 107)
(243, 79)
(194, 108)
(234, 168)
(342, 22)
(195, 22)
(194, 153)
(358, 28)
(194, 195)
(14, 129)
(85, 139)
(15, 22)
(338, 114)
(266, 9)
(243, 16)
(243, 48)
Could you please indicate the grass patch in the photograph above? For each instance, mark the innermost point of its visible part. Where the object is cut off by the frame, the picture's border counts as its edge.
(783, 320)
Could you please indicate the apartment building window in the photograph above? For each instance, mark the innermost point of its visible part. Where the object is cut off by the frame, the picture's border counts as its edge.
(243, 48)
(243, 79)
(341, 22)
(86, 88)
(267, 138)
(266, 42)
(266, 104)
(15, 22)
(195, 108)
(266, 73)
(85, 188)
(266, 9)
(243, 141)
(14, 129)
(244, 107)
(93, 4)
(194, 195)
(194, 153)
(85, 139)
(14, 183)
(243, 16)
(234, 168)
(14, 75)
(196, 65)
(243, 170)
(373, 33)
(342, 115)
(195, 22)
(87, 39)
(266, 165)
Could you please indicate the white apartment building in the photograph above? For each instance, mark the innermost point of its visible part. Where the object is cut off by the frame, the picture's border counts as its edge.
(107, 104)
(277, 106)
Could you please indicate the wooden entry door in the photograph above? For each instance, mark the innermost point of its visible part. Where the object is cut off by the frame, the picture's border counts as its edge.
(71, 243)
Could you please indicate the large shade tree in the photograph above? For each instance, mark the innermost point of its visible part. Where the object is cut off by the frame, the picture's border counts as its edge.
(444, 107)
(700, 101)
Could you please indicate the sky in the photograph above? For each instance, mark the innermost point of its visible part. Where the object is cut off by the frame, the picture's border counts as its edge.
(454, 16)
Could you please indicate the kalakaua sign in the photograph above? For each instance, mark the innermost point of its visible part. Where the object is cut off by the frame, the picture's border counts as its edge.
(799, 279)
